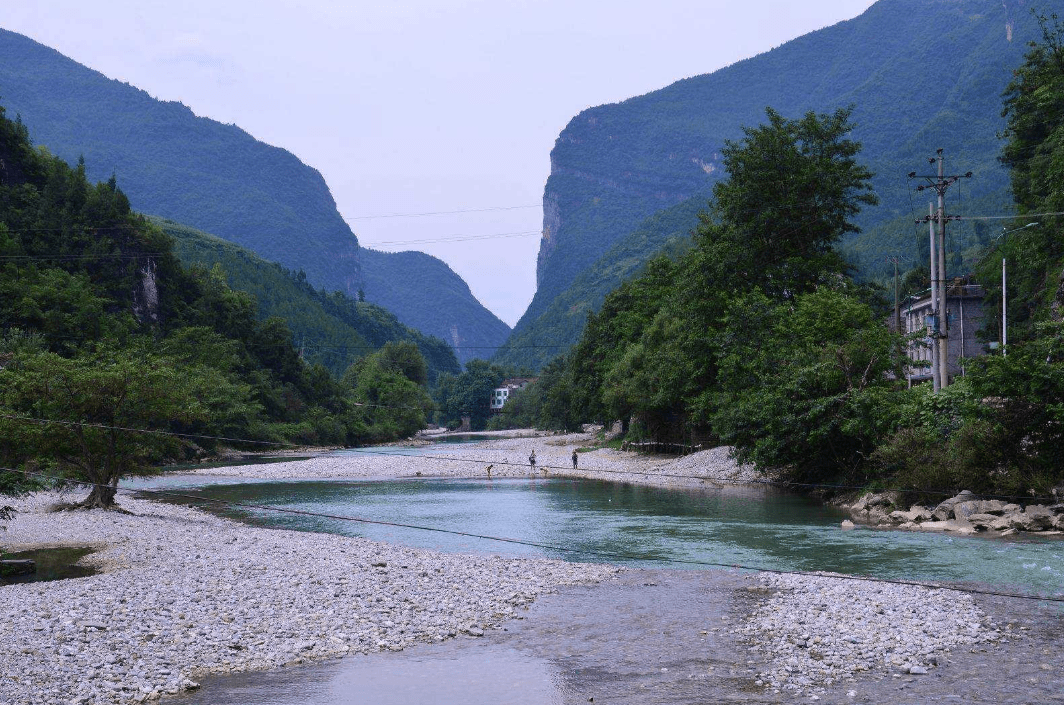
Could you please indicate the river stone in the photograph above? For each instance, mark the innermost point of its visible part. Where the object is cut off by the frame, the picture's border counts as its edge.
(964, 510)
(1001, 524)
(943, 511)
(982, 521)
(1039, 517)
(919, 513)
(992, 506)
(847, 524)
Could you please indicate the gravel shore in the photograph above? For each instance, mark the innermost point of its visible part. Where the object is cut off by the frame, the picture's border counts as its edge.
(183, 594)
(508, 457)
(819, 631)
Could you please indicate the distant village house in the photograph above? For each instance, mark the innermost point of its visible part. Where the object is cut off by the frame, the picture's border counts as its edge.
(502, 393)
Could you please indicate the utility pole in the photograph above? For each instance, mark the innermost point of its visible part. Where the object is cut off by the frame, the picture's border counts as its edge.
(897, 303)
(940, 183)
(935, 379)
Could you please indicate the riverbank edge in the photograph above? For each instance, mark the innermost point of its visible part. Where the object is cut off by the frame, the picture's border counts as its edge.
(181, 593)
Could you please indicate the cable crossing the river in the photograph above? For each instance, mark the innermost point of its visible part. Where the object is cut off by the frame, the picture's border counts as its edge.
(563, 549)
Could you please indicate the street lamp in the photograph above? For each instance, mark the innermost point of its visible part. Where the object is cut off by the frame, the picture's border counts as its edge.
(1004, 300)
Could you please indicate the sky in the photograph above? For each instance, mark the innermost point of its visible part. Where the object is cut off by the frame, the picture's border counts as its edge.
(419, 106)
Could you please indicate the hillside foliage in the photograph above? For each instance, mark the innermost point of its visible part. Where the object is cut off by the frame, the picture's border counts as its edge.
(103, 328)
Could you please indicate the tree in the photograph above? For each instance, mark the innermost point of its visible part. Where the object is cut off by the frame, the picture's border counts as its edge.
(469, 394)
(807, 386)
(792, 190)
(85, 406)
(1034, 154)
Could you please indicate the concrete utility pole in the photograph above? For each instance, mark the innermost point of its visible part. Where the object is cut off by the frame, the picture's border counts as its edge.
(940, 183)
(935, 379)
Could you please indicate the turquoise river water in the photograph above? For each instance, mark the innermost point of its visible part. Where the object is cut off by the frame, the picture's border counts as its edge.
(734, 527)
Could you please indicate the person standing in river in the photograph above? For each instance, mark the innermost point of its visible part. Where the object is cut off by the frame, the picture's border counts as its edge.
(574, 459)
(532, 461)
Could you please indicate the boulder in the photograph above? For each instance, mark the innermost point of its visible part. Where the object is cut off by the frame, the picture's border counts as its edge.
(943, 511)
(1001, 524)
(1058, 523)
(963, 510)
(919, 514)
(1039, 517)
(982, 522)
(1057, 509)
(847, 524)
(992, 506)
(1011, 509)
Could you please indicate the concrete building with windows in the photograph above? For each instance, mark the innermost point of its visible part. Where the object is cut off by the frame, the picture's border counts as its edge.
(964, 320)
(502, 393)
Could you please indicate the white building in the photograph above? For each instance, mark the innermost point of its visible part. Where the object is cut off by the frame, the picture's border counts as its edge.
(502, 393)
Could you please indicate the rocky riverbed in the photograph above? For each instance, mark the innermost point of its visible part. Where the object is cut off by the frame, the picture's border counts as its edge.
(183, 594)
(964, 514)
(820, 631)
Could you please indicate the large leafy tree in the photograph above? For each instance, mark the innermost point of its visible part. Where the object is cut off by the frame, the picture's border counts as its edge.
(87, 412)
(806, 385)
(1034, 153)
(793, 189)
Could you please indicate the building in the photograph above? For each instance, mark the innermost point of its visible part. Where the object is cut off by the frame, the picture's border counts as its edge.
(500, 394)
(964, 320)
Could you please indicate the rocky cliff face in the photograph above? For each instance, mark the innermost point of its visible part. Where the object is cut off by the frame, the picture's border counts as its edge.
(613, 166)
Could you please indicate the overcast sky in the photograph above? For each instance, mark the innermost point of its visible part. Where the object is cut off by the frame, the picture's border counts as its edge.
(419, 106)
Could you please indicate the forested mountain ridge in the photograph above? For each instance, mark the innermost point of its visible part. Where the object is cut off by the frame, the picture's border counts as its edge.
(219, 179)
(331, 329)
(447, 310)
(922, 74)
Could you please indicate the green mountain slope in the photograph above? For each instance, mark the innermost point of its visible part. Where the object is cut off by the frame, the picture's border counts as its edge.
(922, 74)
(331, 329)
(219, 179)
(448, 310)
(667, 232)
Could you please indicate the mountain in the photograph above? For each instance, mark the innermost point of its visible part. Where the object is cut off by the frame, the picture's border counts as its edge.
(437, 309)
(332, 329)
(221, 180)
(922, 75)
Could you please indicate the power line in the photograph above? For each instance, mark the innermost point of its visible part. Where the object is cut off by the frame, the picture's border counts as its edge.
(451, 238)
(30, 419)
(561, 549)
(421, 215)
(1017, 216)
(117, 255)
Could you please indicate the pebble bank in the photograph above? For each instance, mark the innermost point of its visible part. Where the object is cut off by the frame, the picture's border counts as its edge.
(184, 593)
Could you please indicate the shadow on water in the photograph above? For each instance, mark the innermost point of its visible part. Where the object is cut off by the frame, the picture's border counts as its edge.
(52, 564)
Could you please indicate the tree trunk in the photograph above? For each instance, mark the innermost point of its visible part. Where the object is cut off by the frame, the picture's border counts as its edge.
(101, 497)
